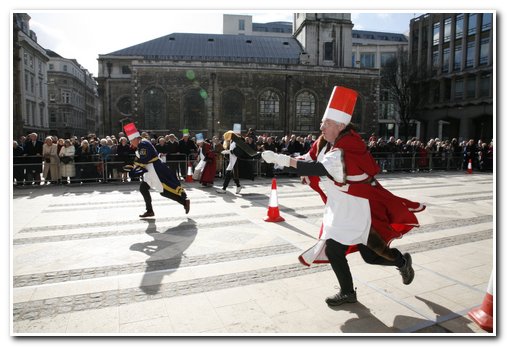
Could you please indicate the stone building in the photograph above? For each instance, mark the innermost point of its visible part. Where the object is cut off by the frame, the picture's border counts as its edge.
(454, 53)
(242, 25)
(373, 49)
(73, 98)
(30, 97)
(208, 82)
(52, 95)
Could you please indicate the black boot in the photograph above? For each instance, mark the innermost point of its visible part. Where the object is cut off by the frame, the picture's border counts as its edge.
(406, 271)
(186, 205)
(147, 214)
(340, 298)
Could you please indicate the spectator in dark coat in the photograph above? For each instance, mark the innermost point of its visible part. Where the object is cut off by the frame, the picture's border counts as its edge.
(18, 161)
(173, 155)
(187, 148)
(33, 153)
(85, 162)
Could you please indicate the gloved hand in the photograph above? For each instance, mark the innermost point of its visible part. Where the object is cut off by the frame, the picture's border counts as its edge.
(273, 158)
(128, 168)
(226, 151)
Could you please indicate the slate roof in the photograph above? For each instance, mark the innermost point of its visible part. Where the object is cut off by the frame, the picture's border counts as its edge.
(273, 27)
(218, 47)
(378, 35)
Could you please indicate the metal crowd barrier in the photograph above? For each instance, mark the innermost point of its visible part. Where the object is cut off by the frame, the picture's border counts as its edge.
(88, 168)
(94, 168)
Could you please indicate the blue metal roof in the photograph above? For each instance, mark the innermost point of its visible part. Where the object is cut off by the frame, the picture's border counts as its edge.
(216, 47)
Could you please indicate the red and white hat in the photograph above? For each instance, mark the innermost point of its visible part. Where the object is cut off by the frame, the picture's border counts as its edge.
(131, 131)
(341, 105)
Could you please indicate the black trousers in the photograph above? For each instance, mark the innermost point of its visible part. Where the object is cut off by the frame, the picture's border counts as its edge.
(376, 252)
(144, 188)
(228, 175)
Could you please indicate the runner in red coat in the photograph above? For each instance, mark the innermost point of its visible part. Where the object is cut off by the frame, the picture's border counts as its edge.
(359, 214)
(209, 157)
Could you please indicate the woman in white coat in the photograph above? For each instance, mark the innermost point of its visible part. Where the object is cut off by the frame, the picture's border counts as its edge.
(67, 166)
(51, 161)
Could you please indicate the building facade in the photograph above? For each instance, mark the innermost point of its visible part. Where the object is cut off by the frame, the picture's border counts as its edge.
(454, 55)
(372, 50)
(73, 98)
(207, 82)
(52, 95)
(30, 97)
(243, 25)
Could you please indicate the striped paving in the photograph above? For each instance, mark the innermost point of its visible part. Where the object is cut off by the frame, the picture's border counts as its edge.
(36, 309)
(253, 241)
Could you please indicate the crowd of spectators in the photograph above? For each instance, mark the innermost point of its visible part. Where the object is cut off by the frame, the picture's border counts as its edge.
(92, 159)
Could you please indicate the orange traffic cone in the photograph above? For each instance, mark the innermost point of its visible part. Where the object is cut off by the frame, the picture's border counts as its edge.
(189, 173)
(273, 211)
(469, 169)
(483, 315)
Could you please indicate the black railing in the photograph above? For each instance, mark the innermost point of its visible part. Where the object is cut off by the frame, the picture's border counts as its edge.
(94, 168)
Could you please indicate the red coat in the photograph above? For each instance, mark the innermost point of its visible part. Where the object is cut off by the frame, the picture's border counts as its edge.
(391, 216)
(208, 174)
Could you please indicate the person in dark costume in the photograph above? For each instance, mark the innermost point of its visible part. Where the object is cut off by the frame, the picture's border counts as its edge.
(156, 174)
(236, 148)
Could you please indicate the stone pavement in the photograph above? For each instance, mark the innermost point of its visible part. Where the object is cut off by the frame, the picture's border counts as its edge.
(84, 263)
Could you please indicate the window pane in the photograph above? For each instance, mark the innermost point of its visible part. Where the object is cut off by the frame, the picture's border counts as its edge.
(470, 54)
(447, 30)
(458, 89)
(328, 51)
(305, 112)
(459, 26)
(385, 57)
(487, 21)
(485, 85)
(457, 57)
(472, 24)
(435, 61)
(368, 60)
(484, 53)
(436, 33)
(470, 84)
(269, 110)
(445, 62)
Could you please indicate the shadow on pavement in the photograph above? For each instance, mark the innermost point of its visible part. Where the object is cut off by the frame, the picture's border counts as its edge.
(366, 322)
(165, 251)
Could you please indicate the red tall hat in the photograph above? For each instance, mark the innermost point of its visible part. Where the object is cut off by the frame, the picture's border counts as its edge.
(131, 131)
(341, 105)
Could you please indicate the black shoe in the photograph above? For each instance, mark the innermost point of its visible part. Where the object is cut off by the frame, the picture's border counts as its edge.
(147, 214)
(339, 299)
(406, 271)
(187, 206)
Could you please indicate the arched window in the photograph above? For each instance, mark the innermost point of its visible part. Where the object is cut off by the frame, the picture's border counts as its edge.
(269, 110)
(154, 109)
(232, 108)
(194, 116)
(124, 105)
(305, 112)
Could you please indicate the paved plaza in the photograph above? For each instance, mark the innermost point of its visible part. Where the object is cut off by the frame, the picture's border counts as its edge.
(84, 263)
